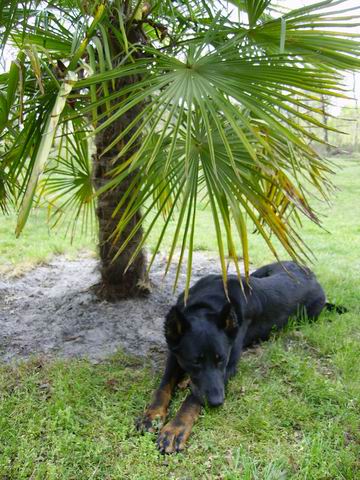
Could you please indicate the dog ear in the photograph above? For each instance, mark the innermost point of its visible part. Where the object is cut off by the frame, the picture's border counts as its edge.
(228, 321)
(175, 326)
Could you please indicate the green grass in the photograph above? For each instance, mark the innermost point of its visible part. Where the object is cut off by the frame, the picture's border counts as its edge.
(292, 412)
(37, 244)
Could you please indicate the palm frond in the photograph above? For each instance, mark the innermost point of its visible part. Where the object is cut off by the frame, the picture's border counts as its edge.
(225, 110)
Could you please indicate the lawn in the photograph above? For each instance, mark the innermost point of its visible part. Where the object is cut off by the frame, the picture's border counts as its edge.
(292, 411)
(37, 243)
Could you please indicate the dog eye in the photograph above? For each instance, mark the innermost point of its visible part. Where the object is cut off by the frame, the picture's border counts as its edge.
(198, 360)
(218, 358)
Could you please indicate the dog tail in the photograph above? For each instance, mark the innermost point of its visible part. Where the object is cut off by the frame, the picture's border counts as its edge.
(331, 307)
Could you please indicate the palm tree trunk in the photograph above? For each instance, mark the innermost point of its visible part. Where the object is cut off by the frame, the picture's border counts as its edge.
(116, 283)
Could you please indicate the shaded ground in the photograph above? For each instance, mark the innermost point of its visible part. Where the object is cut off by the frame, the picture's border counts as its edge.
(51, 310)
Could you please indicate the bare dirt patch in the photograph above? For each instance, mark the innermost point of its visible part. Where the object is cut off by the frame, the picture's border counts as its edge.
(52, 311)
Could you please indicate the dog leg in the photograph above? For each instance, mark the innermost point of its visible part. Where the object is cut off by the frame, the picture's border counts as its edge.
(231, 367)
(173, 435)
(155, 414)
(237, 350)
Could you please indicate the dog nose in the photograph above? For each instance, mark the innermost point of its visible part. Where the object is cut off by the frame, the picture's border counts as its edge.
(215, 402)
(215, 399)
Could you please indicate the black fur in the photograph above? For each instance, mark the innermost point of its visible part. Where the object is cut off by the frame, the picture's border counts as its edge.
(207, 335)
(331, 307)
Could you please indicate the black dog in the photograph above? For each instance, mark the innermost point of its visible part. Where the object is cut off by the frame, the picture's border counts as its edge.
(207, 335)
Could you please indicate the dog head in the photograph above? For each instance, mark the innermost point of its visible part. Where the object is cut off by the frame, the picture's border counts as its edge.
(201, 340)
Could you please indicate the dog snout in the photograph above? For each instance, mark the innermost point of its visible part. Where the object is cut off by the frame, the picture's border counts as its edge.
(215, 397)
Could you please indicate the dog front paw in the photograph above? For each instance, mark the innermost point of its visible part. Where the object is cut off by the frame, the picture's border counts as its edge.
(172, 437)
(151, 421)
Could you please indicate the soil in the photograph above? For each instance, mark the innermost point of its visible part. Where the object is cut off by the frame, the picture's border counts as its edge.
(52, 311)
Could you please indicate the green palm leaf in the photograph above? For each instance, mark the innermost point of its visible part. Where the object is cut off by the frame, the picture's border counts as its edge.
(193, 104)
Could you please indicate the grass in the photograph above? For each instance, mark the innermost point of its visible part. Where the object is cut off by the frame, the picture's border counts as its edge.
(37, 244)
(292, 412)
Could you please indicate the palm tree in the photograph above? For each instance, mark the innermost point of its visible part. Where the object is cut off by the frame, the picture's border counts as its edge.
(186, 101)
